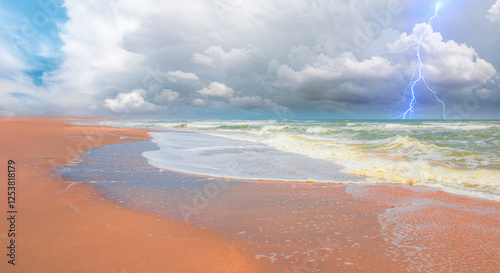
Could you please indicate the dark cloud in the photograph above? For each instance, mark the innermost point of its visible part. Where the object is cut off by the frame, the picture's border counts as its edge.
(256, 57)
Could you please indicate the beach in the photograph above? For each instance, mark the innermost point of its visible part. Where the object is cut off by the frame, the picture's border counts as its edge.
(61, 229)
(146, 222)
(249, 136)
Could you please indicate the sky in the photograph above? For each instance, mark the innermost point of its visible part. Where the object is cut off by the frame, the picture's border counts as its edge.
(294, 59)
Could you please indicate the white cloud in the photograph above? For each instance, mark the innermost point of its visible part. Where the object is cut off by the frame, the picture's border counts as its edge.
(454, 69)
(300, 56)
(198, 102)
(106, 48)
(484, 93)
(6, 113)
(217, 89)
(166, 97)
(237, 60)
(19, 94)
(175, 76)
(494, 12)
(10, 61)
(342, 79)
(448, 65)
(94, 56)
(129, 102)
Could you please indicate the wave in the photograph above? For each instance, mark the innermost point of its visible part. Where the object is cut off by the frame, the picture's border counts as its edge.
(463, 155)
(462, 126)
(317, 130)
(397, 159)
(406, 144)
(224, 157)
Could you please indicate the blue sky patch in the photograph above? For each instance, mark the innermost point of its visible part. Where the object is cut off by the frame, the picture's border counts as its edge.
(33, 33)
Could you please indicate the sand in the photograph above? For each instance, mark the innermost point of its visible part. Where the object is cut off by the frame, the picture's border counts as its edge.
(61, 229)
(288, 227)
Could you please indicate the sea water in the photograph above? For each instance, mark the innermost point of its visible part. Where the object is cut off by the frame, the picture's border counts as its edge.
(458, 156)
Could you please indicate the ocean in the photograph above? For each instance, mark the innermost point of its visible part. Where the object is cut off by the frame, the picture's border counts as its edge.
(461, 157)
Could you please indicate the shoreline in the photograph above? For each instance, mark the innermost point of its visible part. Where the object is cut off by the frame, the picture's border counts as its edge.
(367, 180)
(285, 224)
(357, 228)
(69, 229)
(450, 181)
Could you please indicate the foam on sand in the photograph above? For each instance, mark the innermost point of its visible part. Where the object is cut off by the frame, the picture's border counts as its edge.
(398, 159)
(204, 154)
(458, 156)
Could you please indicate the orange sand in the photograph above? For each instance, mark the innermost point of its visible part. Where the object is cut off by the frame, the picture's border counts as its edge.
(368, 228)
(74, 230)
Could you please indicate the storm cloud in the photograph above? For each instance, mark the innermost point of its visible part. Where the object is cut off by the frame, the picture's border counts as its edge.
(246, 59)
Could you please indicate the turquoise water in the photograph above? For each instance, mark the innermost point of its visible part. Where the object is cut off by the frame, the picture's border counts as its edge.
(458, 156)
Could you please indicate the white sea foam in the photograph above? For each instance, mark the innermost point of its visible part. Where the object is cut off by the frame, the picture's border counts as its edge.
(391, 166)
(467, 126)
(460, 156)
(204, 154)
(317, 130)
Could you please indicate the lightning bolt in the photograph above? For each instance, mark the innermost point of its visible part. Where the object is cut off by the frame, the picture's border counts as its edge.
(419, 76)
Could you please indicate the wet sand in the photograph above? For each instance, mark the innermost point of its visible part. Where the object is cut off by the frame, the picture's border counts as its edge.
(309, 227)
(61, 229)
(141, 225)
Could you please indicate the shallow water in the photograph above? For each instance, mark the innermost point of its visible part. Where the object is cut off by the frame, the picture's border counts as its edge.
(305, 226)
(282, 223)
(458, 156)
